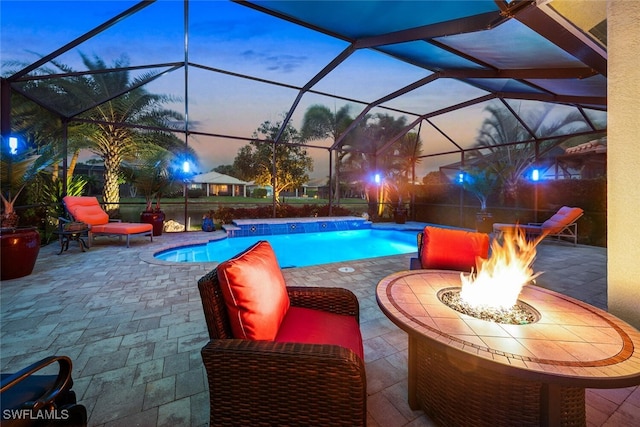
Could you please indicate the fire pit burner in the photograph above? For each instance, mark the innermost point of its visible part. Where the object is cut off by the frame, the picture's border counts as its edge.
(520, 314)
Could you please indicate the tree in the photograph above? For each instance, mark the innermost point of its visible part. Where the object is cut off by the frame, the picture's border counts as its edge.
(151, 173)
(102, 131)
(292, 164)
(510, 162)
(320, 123)
(481, 183)
(393, 165)
(226, 170)
(17, 169)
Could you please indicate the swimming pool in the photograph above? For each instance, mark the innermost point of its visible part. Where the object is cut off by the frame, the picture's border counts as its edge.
(304, 249)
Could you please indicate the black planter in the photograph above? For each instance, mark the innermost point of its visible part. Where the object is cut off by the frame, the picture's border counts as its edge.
(19, 251)
(154, 218)
(484, 222)
(400, 215)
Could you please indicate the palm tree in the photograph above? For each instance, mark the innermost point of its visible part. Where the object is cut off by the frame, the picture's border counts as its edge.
(100, 130)
(151, 173)
(510, 162)
(44, 128)
(373, 133)
(137, 106)
(319, 122)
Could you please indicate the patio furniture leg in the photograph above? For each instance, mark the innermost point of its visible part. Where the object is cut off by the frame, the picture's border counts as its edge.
(413, 373)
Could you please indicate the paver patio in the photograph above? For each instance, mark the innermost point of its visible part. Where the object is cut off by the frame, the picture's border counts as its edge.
(134, 329)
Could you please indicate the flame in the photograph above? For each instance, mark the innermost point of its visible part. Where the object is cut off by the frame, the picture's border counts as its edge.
(500, 279)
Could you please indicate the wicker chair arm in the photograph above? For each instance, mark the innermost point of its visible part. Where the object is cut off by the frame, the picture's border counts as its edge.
(334, 300)
(273, 382)
(62, 384)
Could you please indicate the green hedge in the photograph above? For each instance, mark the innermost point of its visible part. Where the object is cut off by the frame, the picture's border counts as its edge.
(440, 204)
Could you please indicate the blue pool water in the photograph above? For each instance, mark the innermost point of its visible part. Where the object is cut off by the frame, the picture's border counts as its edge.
(304, 249)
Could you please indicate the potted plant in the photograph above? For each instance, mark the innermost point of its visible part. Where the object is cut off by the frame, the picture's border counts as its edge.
(393, 193)
(481, 183)
(207, 221)
(19, 245)
(150, 174)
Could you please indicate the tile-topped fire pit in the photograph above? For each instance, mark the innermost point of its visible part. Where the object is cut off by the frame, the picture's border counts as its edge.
(468, 371)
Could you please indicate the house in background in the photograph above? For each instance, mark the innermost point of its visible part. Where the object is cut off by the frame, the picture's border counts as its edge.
(218, 184)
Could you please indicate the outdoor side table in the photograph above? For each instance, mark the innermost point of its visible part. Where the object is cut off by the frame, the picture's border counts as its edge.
(468, 371)
(66, 236)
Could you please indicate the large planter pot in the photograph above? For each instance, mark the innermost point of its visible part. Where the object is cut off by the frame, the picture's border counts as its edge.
(400, 215)
(207, 224)
(18, 251)
(484, 222)
(154, 218)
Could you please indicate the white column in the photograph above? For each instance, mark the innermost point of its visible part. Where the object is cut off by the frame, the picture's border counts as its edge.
(623, 161)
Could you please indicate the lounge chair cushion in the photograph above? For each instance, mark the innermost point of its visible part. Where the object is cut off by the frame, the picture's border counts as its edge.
(309, 326)
(254, 292)
(86, 209)
(561, 219)
(444, 248)
(121, 228)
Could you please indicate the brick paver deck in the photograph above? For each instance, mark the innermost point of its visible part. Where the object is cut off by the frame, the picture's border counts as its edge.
(134, 329)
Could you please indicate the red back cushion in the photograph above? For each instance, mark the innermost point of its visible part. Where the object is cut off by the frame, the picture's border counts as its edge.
(254, 292)
(450, 249)
(86, 209)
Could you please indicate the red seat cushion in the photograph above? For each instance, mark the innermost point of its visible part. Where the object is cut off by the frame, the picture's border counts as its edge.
(308, 326)
(451, 249)
(254, 292)
(122, 228)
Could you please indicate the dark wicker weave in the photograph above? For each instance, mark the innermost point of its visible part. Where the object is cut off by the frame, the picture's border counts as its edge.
(263, 383)
(454, 392)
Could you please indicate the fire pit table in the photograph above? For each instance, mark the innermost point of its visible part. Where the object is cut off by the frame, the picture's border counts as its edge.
(468, 371)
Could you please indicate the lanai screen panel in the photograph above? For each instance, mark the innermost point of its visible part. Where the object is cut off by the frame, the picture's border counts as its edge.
(264, 53)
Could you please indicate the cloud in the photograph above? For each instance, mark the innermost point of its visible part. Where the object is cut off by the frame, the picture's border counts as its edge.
(285, 63)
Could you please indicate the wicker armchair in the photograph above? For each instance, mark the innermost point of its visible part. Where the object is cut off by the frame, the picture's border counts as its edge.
(267, 383)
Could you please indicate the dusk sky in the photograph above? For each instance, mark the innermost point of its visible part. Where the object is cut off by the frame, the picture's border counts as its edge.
(232, 37)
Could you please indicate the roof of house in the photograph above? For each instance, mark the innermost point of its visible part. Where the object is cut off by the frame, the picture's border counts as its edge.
(217, 178)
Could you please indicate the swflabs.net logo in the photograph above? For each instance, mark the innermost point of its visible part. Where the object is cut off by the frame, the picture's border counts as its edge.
(40, 414)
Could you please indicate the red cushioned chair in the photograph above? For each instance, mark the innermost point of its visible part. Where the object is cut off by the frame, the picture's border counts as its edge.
(88, 210)
(450, 249)
(280, 355)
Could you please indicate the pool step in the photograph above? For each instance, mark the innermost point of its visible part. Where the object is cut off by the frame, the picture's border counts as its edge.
(230, 229)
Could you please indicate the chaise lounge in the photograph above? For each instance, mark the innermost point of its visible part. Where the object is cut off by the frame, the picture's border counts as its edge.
(562, 225)
(280, 355)
(88, 210)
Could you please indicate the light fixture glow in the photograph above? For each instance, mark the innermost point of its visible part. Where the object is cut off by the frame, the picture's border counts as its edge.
(535, 175)
(13, 145)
